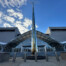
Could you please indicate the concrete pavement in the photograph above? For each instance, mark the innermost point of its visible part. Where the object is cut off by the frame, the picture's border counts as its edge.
(20, 62)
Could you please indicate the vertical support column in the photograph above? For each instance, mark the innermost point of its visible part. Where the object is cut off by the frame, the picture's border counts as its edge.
(14, 57)
(38, 49)
(12, 49)
(25, 57)
(64, 47)
(35, 56)
(57, 57)
(46, 53)
(21, 48)
(2, 48)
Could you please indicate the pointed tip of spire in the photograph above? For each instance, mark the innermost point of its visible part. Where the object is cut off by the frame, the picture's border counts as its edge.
(32, 3)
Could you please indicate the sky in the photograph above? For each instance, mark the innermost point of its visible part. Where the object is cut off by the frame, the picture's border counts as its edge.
(18, 13)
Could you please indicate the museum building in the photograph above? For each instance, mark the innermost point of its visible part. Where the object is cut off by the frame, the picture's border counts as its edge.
(54, 37)
(32, 40)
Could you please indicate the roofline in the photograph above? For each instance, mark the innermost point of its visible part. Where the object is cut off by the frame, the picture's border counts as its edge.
(8, 28)
(57, 27)
(26, 35)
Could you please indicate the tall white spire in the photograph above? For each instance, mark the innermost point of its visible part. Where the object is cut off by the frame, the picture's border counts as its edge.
(33, 46)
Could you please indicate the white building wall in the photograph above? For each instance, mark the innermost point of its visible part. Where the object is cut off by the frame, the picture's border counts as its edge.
(48, 31)
(8, 34)
(59, 35)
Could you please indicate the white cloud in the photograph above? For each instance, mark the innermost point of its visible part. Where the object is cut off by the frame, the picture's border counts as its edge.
(10, 10)
(18, 22)
(0, 21)
(36, 26)
(15, 14)
(27, 22)
(7, 25)
(0, 14)
(21, 28)
(14, 19)
(9, 19)
(12, 3)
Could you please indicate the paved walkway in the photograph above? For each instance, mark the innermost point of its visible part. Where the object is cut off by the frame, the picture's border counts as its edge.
(20, 62)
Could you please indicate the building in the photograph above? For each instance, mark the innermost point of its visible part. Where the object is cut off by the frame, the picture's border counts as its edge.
(58, 34)
(25, 39)
(31, 39)
(8, 34)
(53, 37)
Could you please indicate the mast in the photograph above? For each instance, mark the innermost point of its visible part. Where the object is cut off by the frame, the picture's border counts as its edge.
(33, 46)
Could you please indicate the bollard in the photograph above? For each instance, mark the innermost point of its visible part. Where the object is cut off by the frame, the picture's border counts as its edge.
(25, 57)
(46, 58)
(57, 58)
(14, 57)
(46, 54)
(35, 56)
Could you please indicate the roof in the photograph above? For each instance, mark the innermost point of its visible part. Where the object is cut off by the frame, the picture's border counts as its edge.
(2, 43)
(30, 45)
(57, 27)
(64, 42)
(40, 35)
(7, 28)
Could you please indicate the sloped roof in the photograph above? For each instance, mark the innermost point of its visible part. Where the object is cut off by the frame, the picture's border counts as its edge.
(64, 42)
(8, 28)
(57, 27)
(2, 43)
(40, 35)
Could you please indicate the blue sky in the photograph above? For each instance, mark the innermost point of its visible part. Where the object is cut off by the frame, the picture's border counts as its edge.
(48, 13)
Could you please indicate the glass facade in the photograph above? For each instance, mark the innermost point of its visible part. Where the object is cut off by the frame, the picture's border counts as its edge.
(26, 45)
(0, 47)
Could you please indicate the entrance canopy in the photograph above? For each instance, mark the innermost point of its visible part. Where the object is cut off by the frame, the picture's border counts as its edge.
(2, 43)
(42, 36)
